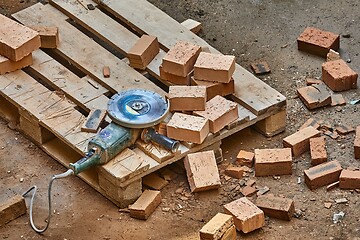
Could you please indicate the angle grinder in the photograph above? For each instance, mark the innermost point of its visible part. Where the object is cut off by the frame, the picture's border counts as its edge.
(133, 113)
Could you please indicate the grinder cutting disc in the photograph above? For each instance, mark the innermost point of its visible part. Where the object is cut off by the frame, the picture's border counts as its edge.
(137, 108)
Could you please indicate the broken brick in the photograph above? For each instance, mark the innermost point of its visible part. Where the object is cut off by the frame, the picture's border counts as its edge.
(214, 67)
(49, 36)
(187, 98)
(145, 205)
(357, 143)
(314, 96)
(248, 191)
(310, 123)
(12, 209)
(235, 172)
(318, 42)
(322, 174)
(216, 227)
(276, 207)
(349, 179)
(333, 135)
(155, 182)
(318, 150)
(332, 56)
(337, 99)
(338, 76)
(247, 216)
(344, 129)
(260, 67)
(270, 162)
(202, 171)
(311, 81)
(143, 52)
(106, 71)
(245, 158)
(299, 141)
(230, 234)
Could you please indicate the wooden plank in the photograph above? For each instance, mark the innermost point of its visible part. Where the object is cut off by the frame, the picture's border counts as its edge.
(145, 18)
(85, 53)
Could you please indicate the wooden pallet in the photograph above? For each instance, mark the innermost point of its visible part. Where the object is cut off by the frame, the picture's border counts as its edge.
(49, 100)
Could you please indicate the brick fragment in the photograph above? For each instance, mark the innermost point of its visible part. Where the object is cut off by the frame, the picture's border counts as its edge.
(12, 209)
(6, 65)
(106, 71)
(344, 129)
(299, 141)
(349, 179)
(311, 81)
(310, 123)
(332, 55)
(337, 99)
(270, 162)
(247, 216)
(202, 171)
(314, 96)
(245, 158)
(260, 68)
(215, 88)
(318, 42)
(214, 67)
(338, 76)
(216, 227)
(16, 40)
(188, 128)
(230, 234)
(220, 112)
(145, 205)
(332, 186)
(192, 25)
(174, 79)
(187, 98)
(235, 172)
(248, 191)
(181, 58)
(322, 174)
(318, 150)
(143, 52)
(276, 207)
(357, 143)
(155, 182)
(49, 35)
(94, 120)
(332, 134)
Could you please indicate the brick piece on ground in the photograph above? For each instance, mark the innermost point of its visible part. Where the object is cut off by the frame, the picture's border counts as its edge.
(344, 129)
(248, 191)
(318, 42)
(270, 162)
(215, 88)
(49, 35)
(357, 143)
(247, 216)
(332, 55)
(202, 171)
(16, 40)
(322, 174)
(310, 123)
(276, 207)
(145, 205)
(245, 158)
(180, 59)
(318, 150)
(260, 68)
(187, 98)
(349, 179)
(12, 209)
(216, 227)
(187, 128)
(235, 172)
(192, 25)
(106, 71)
(337, 99)
(214, 67)
(143, 52)
(338, 76)
(220, 113)
(314, 96)
(299, 141)
(6, 65)
(155, 182)
(311, 81)
(174, 79)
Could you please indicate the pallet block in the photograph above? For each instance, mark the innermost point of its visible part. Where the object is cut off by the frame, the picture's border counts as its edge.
(272, 125)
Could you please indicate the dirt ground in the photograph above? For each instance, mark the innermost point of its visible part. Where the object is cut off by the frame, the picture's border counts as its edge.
(251, 30)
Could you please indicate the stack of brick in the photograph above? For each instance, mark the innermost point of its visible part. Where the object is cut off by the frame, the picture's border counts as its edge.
(17, 42)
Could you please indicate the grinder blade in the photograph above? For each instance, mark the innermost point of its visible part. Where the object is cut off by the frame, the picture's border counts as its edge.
(137, 108)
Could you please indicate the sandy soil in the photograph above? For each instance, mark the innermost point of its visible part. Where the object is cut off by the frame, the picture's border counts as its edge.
(251, 30)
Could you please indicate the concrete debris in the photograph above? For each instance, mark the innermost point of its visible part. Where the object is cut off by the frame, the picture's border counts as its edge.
(337, 217)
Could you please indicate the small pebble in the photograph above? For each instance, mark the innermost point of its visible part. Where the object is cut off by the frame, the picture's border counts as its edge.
(21, 179)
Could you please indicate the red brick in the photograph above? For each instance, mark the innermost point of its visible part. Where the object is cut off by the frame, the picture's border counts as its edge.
(247, 216)
(174, 79)
(339, 76)
(299, 141)
(276, 207)
(310, 123)
(106, 71)
(16, 40)
(349, 179)
(49, 36)
(248, 191)
(270, 162)
(230, 234)
(187, 128)
(145, 205)
(311, 81)
(6, 65)
(357, 143)
(214, 67)
(220, 113)
(318, 150)
(181, 58)
(318, 42)
(337, 99)
(235, 172)
(314, 96)
(245, 158)
(260, 67)
(12, 209)
(202, 171)
(344, 129)
(322, 174)
(187, 98)
(216, 227)
(143, 52)
(214, 88)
